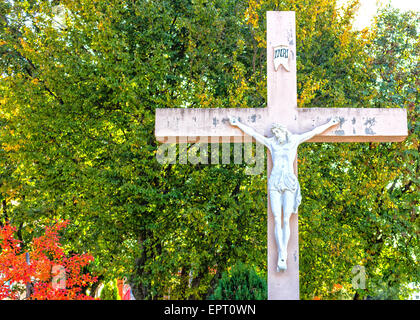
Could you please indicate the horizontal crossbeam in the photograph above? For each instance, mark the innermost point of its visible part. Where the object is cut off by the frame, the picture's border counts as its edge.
(356, 124)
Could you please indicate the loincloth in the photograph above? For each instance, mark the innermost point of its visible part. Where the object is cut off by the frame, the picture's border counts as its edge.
(282, 181)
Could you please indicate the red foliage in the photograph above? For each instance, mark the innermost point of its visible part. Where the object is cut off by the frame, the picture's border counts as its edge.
(45, 252)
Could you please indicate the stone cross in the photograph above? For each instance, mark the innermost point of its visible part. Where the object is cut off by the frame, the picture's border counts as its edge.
(212, 125)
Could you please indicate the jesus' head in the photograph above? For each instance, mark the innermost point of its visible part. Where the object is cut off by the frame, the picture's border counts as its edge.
(280, 132)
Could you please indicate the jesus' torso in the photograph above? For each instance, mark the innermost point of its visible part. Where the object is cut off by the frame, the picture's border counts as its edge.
(283, 156)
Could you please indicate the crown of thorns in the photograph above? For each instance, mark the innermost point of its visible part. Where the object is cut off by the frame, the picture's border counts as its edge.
(278, 126)
(281, 127)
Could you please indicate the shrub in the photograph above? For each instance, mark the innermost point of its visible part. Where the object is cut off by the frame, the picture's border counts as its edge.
(241, 283)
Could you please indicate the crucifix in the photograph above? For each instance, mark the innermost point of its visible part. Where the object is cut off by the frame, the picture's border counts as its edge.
(218, 125)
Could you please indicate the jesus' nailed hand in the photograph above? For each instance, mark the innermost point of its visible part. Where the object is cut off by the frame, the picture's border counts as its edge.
(283, 185)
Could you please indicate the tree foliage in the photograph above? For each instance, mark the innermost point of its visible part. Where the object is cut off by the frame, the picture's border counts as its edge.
(110, 291)
(78, 89)
(35, 268)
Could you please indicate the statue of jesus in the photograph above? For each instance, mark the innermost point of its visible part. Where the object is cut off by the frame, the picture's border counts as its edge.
(283, 185)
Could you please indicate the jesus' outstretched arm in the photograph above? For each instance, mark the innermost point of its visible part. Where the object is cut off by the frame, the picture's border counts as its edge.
(318, 130)
(248, 130)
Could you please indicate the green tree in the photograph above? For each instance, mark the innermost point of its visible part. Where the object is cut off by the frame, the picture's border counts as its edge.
(78, 109)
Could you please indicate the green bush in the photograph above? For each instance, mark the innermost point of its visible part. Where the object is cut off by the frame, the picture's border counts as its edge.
(110, 291)
(241, 283)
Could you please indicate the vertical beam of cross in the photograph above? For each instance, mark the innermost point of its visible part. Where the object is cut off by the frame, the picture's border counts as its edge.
(282, 102)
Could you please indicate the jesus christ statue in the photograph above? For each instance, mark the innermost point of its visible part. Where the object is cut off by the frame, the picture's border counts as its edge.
(283, 185)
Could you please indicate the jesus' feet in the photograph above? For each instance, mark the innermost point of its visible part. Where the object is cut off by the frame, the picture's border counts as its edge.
(281, 265)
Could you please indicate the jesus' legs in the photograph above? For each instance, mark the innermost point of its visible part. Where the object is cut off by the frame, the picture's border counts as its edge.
(276, 206)
(288, 203)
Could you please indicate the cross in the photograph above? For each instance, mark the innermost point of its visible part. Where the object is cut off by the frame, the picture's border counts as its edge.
(212, 125)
